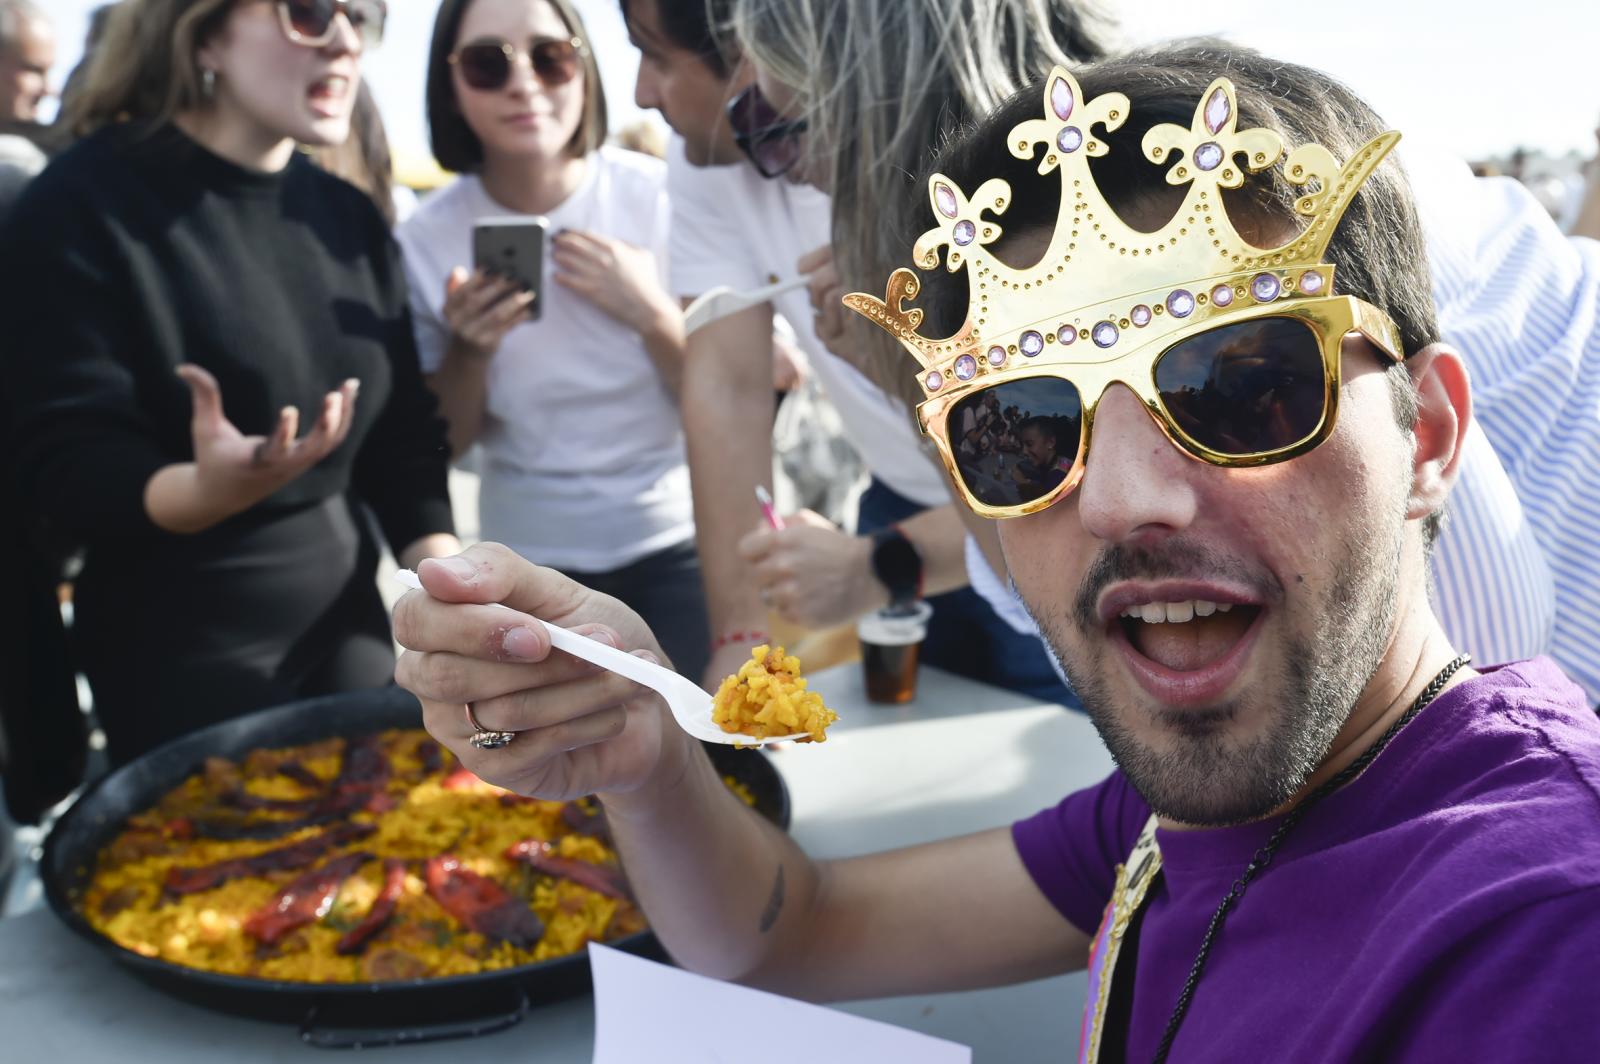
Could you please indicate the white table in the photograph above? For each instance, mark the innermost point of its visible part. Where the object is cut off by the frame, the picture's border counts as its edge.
(963, 757)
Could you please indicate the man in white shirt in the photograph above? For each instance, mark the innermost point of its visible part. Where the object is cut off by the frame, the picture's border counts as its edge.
(27, 52)
(731, 227)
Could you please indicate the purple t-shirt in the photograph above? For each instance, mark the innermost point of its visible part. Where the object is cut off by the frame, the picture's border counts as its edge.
(1444, 906)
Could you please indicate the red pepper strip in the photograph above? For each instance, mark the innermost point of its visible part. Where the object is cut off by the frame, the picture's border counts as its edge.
(243, 799)
(462, 779)
(365, 767)
(542, 857)
(295, 855)
(481, 904)
(308, 898)
(294, 770)
(583, 822)
(355, 940)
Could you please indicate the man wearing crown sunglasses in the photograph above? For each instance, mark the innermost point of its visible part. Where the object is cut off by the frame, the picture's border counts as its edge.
(1328, 838)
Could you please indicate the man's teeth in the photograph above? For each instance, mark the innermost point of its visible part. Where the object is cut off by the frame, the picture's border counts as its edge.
(1175, 612)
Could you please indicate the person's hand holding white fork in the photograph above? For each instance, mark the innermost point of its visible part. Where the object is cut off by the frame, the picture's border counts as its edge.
(474, 640)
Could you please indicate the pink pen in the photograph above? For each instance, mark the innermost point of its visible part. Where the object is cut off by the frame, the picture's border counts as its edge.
(767, 511)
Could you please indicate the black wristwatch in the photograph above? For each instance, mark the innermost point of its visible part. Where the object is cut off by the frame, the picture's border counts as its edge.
(897, 565)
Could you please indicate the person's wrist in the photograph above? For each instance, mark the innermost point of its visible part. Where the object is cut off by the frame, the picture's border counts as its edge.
(875, 594)
(746, 637)
(652, 796)
(468, 350)
(658, 318)
(217, 495)
(898, 565)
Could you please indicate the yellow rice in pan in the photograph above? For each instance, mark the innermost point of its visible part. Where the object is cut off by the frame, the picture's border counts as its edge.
(125, 900)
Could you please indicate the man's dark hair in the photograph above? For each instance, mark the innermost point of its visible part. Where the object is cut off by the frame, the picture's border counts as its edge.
(1377, 249)
(695, 26)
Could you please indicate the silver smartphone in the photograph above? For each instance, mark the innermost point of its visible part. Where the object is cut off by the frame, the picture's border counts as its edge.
(513, 246)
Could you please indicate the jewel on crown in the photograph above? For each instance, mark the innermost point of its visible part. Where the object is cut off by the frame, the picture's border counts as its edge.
(1100, 279)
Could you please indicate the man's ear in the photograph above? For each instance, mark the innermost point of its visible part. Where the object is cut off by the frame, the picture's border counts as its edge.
(1444, 411)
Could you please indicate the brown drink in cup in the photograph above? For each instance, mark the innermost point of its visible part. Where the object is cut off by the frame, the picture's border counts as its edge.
(890, 640)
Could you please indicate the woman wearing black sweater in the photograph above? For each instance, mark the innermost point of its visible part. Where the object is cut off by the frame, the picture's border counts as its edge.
(184, 294)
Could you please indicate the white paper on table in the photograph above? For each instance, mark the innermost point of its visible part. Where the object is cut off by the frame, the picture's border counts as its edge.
(644, 1011)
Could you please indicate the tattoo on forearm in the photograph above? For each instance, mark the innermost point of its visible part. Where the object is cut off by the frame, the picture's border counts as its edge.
(769, 915)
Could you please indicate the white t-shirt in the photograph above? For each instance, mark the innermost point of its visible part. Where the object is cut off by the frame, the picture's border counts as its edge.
(733, 227)
(583, 456)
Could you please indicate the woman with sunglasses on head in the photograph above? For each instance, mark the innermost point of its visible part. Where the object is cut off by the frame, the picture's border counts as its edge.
(572, 398)
(194, 306)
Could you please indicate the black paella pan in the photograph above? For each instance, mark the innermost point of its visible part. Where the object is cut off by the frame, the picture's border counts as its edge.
(329, 1014)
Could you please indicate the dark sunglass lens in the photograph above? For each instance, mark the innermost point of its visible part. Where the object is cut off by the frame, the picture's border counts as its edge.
(309, 18)
(484, 66)
(554, 62)
(775, 154)
(750, 113)
(1016, 442)
(1246, 389)
(368, 17)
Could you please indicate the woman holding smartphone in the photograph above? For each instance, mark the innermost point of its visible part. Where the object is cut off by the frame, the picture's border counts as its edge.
(185, 293)
(576, 413)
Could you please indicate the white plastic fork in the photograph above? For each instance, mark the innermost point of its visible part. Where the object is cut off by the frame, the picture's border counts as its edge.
(721, 301)
(690, 703)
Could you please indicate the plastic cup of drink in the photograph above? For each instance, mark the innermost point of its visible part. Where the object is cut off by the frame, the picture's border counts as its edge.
(890, 639)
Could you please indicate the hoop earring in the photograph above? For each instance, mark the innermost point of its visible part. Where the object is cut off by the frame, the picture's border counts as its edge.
(208, 83)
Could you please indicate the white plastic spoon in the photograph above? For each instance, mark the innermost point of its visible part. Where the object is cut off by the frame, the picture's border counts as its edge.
(721, 301)
(690, 703)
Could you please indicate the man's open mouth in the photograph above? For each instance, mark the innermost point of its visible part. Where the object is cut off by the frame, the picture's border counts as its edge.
(1187, 635)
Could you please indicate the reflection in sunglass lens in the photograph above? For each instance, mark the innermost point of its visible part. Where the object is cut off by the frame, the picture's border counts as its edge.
(484, 66)
(1016, 442)
(775, 155)
(554, 62)
(1251, 388)
(368, 17)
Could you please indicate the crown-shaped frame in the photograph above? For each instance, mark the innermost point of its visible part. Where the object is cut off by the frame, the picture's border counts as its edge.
(1102, 286)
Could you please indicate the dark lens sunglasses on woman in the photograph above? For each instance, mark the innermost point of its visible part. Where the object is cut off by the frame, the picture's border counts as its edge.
(487, 64)
(770, 140)
(311, 22)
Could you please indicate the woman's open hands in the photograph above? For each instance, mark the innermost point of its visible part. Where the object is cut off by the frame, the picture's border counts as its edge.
(234, 471)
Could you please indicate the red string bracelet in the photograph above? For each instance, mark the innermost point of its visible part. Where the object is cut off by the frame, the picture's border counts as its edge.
(753, 637)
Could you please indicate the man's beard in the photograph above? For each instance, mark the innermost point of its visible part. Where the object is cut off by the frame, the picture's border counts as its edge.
(1210, 779)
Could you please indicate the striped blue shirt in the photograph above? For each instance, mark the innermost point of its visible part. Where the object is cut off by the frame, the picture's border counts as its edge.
(1522, 302)
(1515, 570)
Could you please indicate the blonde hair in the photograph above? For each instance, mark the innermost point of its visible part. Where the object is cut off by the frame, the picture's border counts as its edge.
(882, 84)
(145, 69)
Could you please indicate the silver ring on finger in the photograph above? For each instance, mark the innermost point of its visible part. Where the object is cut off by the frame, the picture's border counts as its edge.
(484, 739)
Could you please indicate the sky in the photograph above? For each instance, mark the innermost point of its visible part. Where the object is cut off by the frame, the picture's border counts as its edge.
(1439, 72)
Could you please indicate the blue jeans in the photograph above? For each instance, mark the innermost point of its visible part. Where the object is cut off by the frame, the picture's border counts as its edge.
(665, 589)
(966, 636)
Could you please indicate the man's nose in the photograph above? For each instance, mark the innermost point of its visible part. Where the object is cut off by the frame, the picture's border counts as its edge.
(1136, 484)
(645, 96)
